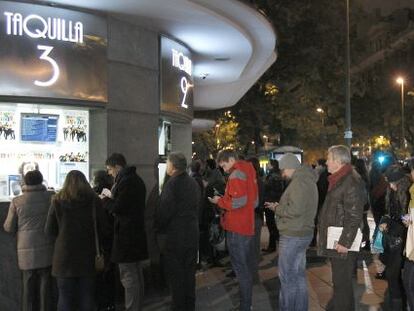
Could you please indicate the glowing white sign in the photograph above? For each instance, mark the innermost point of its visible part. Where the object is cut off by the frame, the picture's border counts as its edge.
(182, 62)
(51, 28)
(55, 67)
(184, 88)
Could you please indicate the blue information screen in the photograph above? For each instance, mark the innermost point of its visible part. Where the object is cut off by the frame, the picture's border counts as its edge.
(39, 127)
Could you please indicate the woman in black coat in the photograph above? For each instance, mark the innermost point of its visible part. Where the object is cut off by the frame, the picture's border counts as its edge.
(71, 221)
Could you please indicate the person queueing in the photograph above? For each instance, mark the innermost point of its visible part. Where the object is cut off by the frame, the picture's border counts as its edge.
(343, 207)
(273, 188)
(177, 217)
(27, 217)
(238, 203)
(296, 221)
(126, 202)
(408, 272)
(396, 205)
(71, 222)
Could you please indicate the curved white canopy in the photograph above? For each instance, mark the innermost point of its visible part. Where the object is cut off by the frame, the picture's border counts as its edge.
(233, 44)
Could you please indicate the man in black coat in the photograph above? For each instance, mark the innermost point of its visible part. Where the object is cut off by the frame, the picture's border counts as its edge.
(126, 202)
(177, 217)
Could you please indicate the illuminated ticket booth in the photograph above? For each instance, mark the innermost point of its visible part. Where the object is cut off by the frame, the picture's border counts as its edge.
(52, 74)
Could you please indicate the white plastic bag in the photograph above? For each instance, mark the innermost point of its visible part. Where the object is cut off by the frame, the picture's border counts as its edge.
(409, 246)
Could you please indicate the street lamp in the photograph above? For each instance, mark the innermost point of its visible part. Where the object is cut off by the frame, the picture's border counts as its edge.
(401, 81)
(321, 111)
(348, 130)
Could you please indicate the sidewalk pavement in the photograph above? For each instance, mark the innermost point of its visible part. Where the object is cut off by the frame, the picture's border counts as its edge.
(217, 292)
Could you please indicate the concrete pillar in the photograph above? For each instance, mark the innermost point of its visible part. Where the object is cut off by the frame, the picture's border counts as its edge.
(129, 124)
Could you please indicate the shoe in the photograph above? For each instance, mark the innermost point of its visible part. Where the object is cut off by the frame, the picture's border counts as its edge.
(269, 249)
(231, 274)
(380, 275)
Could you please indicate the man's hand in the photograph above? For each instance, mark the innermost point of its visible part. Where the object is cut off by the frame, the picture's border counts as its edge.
(214, 199)
(271, 205)
(341, 249)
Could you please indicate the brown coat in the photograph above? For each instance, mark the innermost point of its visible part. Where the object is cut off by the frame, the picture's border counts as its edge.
(343, 207)
(27, 217)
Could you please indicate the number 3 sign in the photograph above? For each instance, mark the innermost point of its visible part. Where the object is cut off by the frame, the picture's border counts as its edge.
(55, 67)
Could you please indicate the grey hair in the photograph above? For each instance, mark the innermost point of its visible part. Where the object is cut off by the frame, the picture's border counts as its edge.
(340, 153)
(178, 160)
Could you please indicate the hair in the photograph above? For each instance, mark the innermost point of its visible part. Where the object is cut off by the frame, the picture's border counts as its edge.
(195, 166)
(411, 164)
(178, 160)
(361, 169)
(256, 164)
(225, 154)
(321, 162)
(75, 188)
(33, 178)
(210, 163)
(340, 153)
(116, 159)
(101, 180)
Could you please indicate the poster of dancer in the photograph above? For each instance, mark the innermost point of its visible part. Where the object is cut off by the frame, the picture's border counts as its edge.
(7, 125)
(75, 128)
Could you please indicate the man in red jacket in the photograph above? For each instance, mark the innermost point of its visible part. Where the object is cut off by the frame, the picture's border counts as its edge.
(238, 203)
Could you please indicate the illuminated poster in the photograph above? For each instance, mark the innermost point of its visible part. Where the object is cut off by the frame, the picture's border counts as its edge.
(7, 125)
(52, 53)
(176, 78)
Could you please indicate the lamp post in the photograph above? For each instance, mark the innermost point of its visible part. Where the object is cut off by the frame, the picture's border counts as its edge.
(401, 81)
(348, 130)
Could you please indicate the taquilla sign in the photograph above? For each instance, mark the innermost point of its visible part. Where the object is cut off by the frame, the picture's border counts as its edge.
(52, 52)
(177, 83)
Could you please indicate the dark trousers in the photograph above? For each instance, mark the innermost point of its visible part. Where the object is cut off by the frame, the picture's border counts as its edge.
(181, 265)
(408, 277)
(394, 261)
(36, 289)
(258, 224)
(342, 274)
(271, 226)
(76, 292)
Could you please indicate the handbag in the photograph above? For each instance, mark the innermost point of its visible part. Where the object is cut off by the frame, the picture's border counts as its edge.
(377, 245)
(99, 258)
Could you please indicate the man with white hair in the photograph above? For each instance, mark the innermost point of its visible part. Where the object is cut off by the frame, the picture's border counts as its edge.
(343, 207)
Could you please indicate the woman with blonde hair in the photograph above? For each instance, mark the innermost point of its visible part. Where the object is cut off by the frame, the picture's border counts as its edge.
(71, 221)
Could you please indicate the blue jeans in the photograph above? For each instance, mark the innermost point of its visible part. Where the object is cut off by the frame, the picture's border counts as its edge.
(76, 292)
(242, 257)
(293, 295)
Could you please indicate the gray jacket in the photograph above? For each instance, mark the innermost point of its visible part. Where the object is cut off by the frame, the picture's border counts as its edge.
(27, 217)
(296, 212)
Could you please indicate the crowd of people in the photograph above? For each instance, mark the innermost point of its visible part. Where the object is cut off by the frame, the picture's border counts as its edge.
(207, 209)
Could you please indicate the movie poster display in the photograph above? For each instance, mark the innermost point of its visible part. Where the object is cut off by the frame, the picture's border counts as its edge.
(53, 140)
(7, 125)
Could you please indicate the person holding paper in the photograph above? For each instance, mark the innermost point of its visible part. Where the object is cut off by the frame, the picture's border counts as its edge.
(126, 202)
(343, 207)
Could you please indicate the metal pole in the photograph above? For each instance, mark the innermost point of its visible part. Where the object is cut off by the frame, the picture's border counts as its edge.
(402, 116)
(348, 129)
